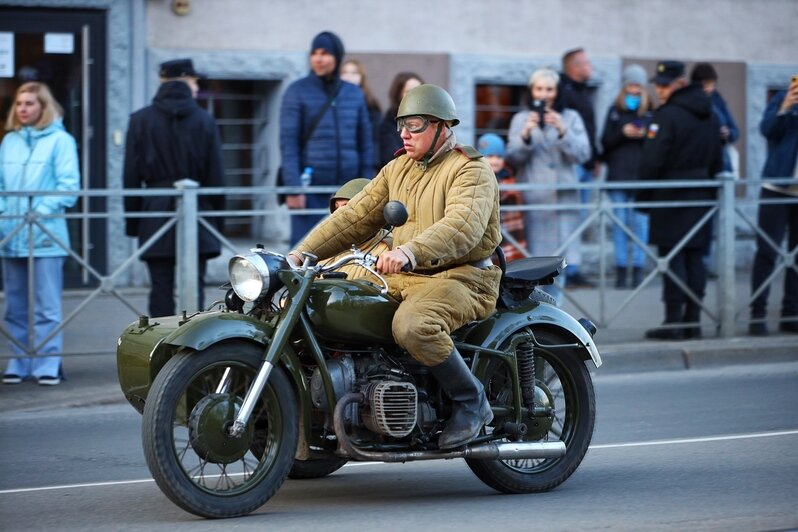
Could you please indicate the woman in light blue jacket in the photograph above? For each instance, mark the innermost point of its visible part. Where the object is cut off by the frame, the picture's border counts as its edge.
(36, 154)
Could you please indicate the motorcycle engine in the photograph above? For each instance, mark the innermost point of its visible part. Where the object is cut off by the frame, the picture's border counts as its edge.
(393, 406)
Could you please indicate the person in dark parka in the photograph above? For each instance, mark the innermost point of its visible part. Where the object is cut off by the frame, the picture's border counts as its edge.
(170, 140)
(340, 146)
(682, 143)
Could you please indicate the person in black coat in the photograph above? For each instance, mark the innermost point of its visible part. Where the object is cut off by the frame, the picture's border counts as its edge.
(170, 140)
(622, 143)
(682, 143)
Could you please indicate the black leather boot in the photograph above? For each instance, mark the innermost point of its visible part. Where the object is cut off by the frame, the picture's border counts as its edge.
(692, 315)
(470, 408)
(620, 277)
(673, 315)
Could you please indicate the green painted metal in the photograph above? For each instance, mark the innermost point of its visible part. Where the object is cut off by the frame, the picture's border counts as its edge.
(351, 311)
(494, 331)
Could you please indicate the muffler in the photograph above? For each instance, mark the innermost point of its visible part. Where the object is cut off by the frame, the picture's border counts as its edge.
(482, 451)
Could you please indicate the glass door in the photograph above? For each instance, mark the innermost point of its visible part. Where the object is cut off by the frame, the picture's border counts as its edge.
(66, 50)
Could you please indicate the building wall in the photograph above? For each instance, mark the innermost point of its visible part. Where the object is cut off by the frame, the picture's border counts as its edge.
(729, 30)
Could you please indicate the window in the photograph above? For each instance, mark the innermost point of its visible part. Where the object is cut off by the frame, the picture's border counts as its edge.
(496, 105)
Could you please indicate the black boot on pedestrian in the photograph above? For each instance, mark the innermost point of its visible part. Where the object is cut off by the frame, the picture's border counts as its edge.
(620, 277)
(692, 315)
(758, 327)
(789, 324)
(673, 315)
(637, 276)
(470, 408)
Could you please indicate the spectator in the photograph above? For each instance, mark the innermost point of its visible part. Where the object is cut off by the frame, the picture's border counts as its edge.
(390, 141)
(512, 222)
(577, 95)
(705, 75)
(36, 154)
(622, 143)
(682, 143)
(545, 144)
(780, 127)
(341, 141)
(352, 71)
(167, 141)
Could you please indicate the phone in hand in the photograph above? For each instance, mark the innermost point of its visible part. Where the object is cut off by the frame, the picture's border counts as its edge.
(539, 107)
(637, 123)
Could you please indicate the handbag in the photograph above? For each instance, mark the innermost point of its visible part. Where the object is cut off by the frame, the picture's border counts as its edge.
(278, 181)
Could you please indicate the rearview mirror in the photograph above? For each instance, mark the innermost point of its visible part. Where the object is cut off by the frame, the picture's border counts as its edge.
(395, 213)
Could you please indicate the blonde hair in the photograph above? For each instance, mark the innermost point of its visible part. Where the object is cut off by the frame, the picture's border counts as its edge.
(371, 101)
(544, 73)
(645, 102)
(51, 109)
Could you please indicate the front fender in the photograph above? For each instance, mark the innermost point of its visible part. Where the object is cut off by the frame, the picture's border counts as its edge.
(208, 328)
(492, 332)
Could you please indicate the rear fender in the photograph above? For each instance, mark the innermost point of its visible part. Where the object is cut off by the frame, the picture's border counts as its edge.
(494, 331)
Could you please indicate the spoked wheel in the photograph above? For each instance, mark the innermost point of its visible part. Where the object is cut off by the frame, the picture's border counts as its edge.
(564, 387)
(193, 458)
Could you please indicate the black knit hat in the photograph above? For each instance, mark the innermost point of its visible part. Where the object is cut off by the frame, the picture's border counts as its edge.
(178, 68)
(330, 42)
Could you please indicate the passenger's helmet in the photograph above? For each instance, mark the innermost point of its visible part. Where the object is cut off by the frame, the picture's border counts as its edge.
(349, 190)
(429, 100)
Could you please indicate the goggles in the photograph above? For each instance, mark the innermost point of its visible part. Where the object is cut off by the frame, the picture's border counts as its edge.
(414, 124)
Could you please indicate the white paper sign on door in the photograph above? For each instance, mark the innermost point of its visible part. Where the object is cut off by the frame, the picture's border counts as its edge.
(6, 54)
(59, 43)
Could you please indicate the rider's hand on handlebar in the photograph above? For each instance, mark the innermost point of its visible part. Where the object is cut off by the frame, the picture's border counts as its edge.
(392, 261)
(294, 259)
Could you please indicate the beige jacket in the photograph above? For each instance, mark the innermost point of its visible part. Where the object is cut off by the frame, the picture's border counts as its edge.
(453, 207)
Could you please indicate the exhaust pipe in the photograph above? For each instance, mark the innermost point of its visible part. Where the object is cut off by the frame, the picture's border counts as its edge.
(482, 451)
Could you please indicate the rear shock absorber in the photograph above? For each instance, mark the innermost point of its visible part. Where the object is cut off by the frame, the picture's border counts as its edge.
(525, 355)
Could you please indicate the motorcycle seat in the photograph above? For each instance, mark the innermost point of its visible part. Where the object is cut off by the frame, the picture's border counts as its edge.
(537, 270)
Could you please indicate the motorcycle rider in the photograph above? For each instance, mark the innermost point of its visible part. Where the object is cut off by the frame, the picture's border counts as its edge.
(452, 199)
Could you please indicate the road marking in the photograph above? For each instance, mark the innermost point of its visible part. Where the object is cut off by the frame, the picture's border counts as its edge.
(355, 464)
(696, 440)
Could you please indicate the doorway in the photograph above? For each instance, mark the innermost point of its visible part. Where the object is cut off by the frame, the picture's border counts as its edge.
(66, 49)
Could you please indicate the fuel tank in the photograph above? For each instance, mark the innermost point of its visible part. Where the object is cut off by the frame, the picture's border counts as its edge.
(351, 311)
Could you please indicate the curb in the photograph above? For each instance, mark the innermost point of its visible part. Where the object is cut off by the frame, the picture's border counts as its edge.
(696, 354)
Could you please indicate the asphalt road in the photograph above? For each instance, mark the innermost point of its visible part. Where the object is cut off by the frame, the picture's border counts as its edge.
(713, 449)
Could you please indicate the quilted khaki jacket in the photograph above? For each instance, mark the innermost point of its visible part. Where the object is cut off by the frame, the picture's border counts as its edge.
(453, 207)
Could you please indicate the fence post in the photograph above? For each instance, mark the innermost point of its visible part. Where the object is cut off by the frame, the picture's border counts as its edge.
(187, 247)
(727, 282)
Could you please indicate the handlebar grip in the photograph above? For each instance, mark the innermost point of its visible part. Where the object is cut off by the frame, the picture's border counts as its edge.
(407, 267)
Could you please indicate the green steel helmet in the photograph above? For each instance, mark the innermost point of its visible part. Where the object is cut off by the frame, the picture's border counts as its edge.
(429, 100)
(349, 190)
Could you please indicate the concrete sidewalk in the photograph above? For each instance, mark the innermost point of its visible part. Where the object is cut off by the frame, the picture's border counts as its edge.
(91, 378)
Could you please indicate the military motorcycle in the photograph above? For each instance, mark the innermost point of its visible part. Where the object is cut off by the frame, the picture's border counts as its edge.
(296, 373)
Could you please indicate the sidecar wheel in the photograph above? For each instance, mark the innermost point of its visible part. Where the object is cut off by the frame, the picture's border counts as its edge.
(192, 457)
(564, 384)
(303, 469)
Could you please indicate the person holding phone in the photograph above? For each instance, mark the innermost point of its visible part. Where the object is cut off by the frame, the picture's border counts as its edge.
(544, 147)
(780, 127)
(622, 142)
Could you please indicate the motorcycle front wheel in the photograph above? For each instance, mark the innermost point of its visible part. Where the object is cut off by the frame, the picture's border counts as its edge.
(191, 455)
(564, 386)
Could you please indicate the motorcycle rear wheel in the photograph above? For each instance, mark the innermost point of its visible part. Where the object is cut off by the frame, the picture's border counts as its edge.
(192, 458)
(565, 382)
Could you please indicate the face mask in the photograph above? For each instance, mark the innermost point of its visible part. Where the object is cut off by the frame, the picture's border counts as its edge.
(632, 101)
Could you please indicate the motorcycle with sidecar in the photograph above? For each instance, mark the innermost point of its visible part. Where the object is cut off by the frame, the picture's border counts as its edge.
(296, 373)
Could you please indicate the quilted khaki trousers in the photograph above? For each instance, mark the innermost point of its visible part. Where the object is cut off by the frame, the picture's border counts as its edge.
(433, 306)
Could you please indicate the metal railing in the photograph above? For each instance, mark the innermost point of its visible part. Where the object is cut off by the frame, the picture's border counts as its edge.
(730, 210)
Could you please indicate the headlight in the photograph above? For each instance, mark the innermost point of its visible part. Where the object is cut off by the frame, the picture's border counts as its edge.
(254, 275)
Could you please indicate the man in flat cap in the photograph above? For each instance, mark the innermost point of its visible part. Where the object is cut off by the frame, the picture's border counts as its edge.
(682, 143)
(170, 140)
(324, 126)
